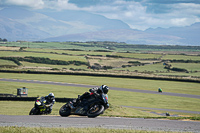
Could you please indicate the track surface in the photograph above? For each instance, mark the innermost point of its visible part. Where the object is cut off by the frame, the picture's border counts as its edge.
(101, 122)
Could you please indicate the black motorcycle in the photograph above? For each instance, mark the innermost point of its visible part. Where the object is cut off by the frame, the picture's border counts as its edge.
(39, 107)
(91, 107)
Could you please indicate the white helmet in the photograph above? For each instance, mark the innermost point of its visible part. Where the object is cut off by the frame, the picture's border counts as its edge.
(51, 95)
(104, 89)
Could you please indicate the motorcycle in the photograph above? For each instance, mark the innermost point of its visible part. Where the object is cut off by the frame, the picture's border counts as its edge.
(92, 107)
(39, 107)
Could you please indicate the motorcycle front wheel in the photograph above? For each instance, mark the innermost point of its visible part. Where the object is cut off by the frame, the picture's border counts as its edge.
(34, 111)
(95, 110)
(65, 111)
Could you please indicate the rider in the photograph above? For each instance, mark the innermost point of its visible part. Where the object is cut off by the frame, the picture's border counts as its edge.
(103, 89)
(50, 100)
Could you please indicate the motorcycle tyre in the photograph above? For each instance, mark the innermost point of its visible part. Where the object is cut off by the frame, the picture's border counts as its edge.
(33, 111)
(67, 112)
(95, 114)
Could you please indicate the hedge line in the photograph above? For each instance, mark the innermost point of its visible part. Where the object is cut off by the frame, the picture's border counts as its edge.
(103, 75)
(43, 61)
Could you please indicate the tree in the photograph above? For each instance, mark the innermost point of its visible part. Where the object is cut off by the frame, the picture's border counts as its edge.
(5, 40)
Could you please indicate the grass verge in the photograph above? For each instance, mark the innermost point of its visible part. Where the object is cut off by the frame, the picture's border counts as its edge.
(72, 130)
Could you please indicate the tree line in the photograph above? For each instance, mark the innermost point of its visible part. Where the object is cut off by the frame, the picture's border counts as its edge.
(182, 61)
(43, 61)
(3, 40)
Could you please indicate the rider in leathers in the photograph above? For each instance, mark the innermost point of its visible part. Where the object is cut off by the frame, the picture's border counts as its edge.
(103, 89)
(50, 100)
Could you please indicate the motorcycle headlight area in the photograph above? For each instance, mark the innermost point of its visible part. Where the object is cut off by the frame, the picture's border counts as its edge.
(38, 103)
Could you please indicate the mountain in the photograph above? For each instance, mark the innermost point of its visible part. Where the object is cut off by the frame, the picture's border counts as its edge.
(13, 30)
(189, 34)
(51, 24)
(119, 35)
(94, 21)
(22, 24)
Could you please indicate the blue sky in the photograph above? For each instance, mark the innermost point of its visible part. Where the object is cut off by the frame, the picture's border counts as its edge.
(138, 14)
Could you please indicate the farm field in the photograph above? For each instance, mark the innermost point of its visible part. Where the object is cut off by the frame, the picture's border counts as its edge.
(173, 62)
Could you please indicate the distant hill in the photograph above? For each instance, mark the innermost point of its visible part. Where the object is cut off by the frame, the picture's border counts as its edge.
(189, 34)
(118, 35)
(22, 24)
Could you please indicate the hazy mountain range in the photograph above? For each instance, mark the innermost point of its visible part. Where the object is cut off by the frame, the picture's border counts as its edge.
(22, 24)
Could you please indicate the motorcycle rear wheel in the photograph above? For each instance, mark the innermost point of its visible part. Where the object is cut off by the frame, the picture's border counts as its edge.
(65, 111)
(95, 110)
(34, 111)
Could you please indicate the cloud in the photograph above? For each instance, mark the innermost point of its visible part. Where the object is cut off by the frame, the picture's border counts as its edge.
(41, 4)
(36, 4)
(138, 14)
(60, 5)
(143, 14)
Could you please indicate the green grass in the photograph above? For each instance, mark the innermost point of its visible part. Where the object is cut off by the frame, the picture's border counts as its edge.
(70, 52)
(181, 57)
(24, 107)
(15, 129)
(139, 56)
(188, 66)
(7, 63)
(45, 55)
(148, 68)
(116, 98)
(153, 85)
(52, 51)
(28, 66)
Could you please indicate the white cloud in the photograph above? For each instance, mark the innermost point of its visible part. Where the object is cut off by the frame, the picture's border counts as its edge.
(133, 13)
(136, 16)
(60, 5)
(37, 4)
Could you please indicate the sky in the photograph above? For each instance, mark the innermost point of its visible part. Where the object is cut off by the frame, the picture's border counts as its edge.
(138, 14)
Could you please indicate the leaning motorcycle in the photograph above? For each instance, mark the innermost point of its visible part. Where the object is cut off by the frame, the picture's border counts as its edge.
(92, 107)
(39, 107)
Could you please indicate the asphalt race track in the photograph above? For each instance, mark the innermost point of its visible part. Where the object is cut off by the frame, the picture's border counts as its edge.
(100, 122)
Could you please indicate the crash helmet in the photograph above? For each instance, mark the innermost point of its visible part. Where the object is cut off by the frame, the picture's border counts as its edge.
(51, 96)
(104, 89)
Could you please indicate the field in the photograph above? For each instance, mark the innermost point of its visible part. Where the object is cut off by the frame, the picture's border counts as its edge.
(104, 58)
(181, 62)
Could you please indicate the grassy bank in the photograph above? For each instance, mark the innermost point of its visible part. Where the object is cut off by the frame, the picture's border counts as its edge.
(72, 130)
